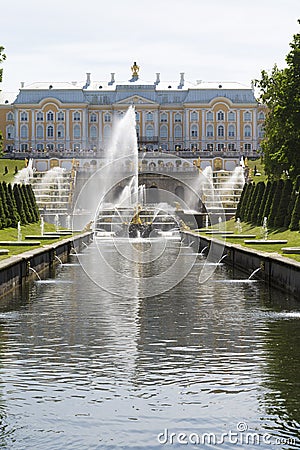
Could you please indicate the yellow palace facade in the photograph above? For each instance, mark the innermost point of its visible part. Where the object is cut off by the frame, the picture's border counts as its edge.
(75, 117)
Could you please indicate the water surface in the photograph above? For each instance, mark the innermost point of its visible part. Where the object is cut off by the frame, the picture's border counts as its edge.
(84, 369)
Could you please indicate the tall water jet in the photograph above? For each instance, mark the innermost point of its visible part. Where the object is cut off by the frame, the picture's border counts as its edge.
(26, 174)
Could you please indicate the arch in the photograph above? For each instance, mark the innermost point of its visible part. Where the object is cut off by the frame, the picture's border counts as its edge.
(107, 132)
(10, 132)
(247, 131)
(153, 194)
(50, 131)
(209, 131)
(179, 192)
(163, 131)
(24, 132)
(149, 131)
(76, 132)
(194, 130)
(178, 131)
(60, 132)
(93, 131)
(220, 131)
(40, 132)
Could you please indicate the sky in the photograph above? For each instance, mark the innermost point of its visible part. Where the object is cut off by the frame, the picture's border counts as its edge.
(209, 40)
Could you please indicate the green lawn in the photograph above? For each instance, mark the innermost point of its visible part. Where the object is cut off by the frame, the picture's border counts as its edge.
(11, 234)
(260, 169)
(11, 164)
(293, 238)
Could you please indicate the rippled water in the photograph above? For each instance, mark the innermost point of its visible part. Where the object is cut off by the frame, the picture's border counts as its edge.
(84, 369)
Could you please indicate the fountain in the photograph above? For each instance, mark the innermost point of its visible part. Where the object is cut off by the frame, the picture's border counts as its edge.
(25, 175)
(19, 231)
(42, 226)
(35, 272)
(238, 226)
(56, 222)
(264, 229)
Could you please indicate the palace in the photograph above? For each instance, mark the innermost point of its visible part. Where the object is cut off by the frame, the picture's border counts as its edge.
(78, 117)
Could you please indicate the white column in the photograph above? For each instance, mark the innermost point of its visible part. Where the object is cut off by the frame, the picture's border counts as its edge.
(16, 113)
(84, 129)
(186, 127)
(171, 141)
(67, 115)
(100, 130)
(32, 129)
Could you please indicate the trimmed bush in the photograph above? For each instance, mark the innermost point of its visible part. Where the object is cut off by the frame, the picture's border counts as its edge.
(259, 192)
(12, 207)
(275, 203)
(292, 201)
(26, 207)
(240, 203)
(283, 203)
(6, 220)
(19, 203)
(34, 206)
(269, 201)
(294, 226)
(260, 214)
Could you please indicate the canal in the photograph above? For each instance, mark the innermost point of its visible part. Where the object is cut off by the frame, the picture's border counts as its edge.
(212, 365)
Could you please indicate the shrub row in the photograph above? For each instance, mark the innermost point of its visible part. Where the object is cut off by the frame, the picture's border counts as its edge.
(17, 203)
(279, 201)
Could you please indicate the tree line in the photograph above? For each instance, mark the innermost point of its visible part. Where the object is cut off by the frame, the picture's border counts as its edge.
(17, 204)
(278, 200)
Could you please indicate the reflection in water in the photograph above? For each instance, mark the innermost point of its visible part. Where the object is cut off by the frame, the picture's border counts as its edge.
(82, 368)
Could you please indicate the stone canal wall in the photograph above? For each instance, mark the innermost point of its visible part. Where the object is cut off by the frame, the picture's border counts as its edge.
(16, 269)
(276, 270)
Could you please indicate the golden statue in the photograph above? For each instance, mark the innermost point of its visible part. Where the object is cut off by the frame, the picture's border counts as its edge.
(135, 70)
(136, 220)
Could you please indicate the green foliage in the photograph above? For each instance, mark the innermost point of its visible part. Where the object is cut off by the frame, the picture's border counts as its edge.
(294, 226)
(34, 207)
(19, 203)
(2, 215)
(26, 206)
(283, 203)
(12, 207)
(7, 221)
(249, 206)
(240, 203)
(292, 201)
(280, 92)
(258, 195)
(269, 201)
(260, 215)
(275, 203)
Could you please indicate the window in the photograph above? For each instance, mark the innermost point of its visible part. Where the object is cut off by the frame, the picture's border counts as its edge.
(261, 116)
(194, 116)
(40, 147)
(137, 116)
(50, 147)
(261, 131)
(76, 116)
(220, 131)
(149, 131)
(209, 116)
(93, 132)
(39, 116)
(60, 116)
(50, 131)
(149, 117)
(220, 115)
(231, 116)
(247, 116)
(40, 132)
(194, 131)
(50, 116)
(24, 147)
(60, 132)
(10, 116)
(107, 132)
(164, 117)
(178, 131)
(231, 131)
(247, 146)
(177, 117)
(163, 131)
(231, 147)
(107, 117)
(24, 116)
(209, 131)
(76, 132)
(24, 132)
(10, 132)
(93, 117)
(247, 131)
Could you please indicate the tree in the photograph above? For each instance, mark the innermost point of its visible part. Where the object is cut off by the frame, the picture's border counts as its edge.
(283, 203)
(19, 203)
(275, 203)
(260, 189)
(292, 202)
(269, 201)
(12, 207)
(2, 58)
(280, 92)
(260, 214)
(294, 226)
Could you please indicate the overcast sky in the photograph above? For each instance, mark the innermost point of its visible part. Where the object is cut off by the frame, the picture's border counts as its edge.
(210, 40)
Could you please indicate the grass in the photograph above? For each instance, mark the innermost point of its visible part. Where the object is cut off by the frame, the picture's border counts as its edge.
(260, 169)
(293, 238)
(11, 234)
(11, 164)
